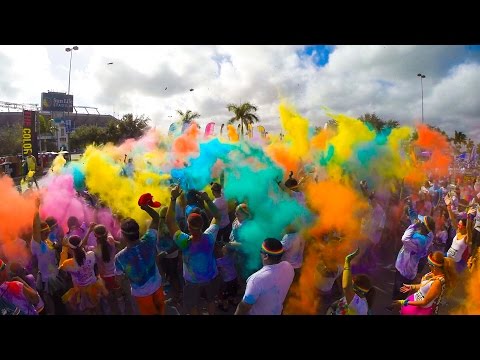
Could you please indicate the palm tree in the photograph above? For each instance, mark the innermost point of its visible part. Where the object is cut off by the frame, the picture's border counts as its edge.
(392, 124)
(188, 116)
(459, 138)
(243, 114)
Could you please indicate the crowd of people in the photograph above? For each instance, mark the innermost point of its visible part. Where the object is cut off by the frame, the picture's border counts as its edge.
(190, 258)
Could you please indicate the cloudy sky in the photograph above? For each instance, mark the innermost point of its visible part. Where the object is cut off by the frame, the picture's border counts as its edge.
(350, 79)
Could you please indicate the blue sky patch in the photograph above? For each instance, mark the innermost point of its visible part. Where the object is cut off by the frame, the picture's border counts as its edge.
(319, 53)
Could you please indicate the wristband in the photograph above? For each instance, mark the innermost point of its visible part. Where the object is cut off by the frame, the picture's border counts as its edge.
(405, 302)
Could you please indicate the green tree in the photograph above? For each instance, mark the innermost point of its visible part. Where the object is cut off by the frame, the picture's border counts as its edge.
(391, 124)
(188, 116)
(244, 114)
(436, 128)
(459, 138)
(87, 134)
(375, 122)
(132, 127)
(11, 140)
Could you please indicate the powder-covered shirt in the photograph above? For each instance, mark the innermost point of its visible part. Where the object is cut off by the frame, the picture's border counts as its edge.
(415, 246)
(267, 288)
(199, 264)
(46, 258)
(226, 265)
(222, 207)
(82, 275)
(138, 264)
(12, 291)
(106, 269)
(293, 246)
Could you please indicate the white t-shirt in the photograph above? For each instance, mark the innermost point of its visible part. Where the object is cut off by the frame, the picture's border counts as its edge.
(106, 269)
(456, 250)
(267, 288)
(47, 260)
(222, 207)
(82, 275)
(293, 245)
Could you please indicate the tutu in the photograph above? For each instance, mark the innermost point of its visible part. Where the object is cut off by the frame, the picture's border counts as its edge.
(415, 310)
(82, 298)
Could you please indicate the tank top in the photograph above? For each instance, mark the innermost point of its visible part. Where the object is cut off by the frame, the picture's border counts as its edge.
(425, 287)
(458, 247)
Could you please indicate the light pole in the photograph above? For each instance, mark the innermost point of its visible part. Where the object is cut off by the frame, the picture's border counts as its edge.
(421, 83)
(70, 50)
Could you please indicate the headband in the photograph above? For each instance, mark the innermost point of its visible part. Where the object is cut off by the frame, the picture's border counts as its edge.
(432, 261)
(265, 250)
(363, 290)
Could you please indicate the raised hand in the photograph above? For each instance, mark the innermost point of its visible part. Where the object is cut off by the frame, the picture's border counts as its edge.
(349, 257)
(448, 200)
(176, 191)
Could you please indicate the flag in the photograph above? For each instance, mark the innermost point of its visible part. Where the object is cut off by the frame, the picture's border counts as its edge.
(209, 129)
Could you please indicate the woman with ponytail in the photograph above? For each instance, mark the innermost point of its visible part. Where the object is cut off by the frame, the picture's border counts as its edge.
(105, 258)
(428, 294)
(87, 290)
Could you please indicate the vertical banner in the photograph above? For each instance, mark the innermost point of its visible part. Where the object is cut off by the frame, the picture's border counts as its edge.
(29, 134)
(209, 129)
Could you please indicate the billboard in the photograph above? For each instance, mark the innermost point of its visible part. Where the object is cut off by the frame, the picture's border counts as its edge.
(29, 134)
(54, 101)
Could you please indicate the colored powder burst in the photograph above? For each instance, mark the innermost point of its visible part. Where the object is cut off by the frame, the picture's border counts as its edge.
(16, 214)
(77, 170)
(232, 133)
(471, 303)
(121, 193)
(437, 143)
(351, 132)
(339, 208)
(319, 141)
(105, 217)
(296, 131)
(60, 201)
(186, 144)
(198, 173)
(58, 164)
(283, 157)
(257, 187)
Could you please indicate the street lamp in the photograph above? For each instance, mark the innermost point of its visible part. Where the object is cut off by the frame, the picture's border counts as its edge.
(70, 50)
(421, 83)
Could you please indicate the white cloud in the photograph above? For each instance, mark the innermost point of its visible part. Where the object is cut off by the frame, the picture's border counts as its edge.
(356, 80)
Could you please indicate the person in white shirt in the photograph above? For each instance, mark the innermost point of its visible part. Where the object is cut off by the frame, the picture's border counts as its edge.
(358, 292)
(463, 237)
(293, 246)
(267, 288)
(222, 206)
